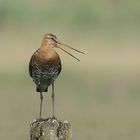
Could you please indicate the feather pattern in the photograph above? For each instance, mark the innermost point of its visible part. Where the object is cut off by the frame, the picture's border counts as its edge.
(44, 68)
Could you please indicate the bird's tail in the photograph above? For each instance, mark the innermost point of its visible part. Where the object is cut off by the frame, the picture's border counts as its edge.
(39, 89)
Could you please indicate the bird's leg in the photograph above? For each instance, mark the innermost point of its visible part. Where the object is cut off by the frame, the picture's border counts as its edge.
(41, 101)
(53, 99)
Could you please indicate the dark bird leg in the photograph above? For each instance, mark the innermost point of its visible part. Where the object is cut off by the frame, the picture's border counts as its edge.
(41, 101)
(53, 99)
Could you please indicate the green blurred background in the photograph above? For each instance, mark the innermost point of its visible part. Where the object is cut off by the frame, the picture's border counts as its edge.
(100, 96)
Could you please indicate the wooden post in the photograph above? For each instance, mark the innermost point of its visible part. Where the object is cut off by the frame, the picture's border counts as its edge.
(50, 129)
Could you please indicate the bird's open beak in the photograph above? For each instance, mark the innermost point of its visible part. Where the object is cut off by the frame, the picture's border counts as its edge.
(60, 45)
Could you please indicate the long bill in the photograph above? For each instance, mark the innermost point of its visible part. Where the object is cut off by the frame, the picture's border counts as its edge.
(68, 53)
(64, 45)
(59, 44)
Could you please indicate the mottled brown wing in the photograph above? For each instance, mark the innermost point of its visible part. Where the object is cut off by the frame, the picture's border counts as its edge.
(60, 68)
(31, 67)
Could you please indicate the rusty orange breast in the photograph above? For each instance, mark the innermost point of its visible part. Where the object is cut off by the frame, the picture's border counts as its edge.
(47, 56)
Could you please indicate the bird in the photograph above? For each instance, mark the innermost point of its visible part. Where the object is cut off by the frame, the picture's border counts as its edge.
(45, 66)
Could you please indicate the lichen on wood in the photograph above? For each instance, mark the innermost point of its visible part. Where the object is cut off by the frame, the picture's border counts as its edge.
(50, 129)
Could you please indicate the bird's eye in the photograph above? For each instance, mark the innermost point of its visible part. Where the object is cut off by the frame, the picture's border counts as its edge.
(53, 38)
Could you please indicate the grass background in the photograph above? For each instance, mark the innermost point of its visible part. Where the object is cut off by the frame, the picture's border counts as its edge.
(100, 96)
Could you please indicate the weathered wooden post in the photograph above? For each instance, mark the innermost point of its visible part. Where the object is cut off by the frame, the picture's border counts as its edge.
(50, 129)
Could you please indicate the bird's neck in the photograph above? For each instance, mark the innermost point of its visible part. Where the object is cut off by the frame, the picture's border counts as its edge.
(46, 45)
